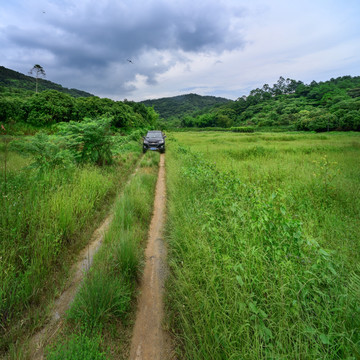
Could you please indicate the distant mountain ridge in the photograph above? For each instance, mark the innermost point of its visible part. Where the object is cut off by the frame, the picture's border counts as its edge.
(182, 105)
(14, 79)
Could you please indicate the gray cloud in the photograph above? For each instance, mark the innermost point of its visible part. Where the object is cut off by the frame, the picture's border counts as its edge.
(176, 44)
(96, 33)
(92, 36)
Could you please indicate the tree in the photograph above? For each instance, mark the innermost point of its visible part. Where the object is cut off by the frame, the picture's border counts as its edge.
(39, 71)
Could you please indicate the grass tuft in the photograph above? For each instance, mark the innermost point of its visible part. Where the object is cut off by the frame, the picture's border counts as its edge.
(76, 348)
(102, 298)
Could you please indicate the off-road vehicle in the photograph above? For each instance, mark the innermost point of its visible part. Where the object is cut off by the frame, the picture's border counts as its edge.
(154, 140)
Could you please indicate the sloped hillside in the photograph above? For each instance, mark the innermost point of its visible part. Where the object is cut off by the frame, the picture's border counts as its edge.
(14, 79)
(182, 105)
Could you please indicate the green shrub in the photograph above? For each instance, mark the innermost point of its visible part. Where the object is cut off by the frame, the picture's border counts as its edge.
(46, 152)
(89, 141)
(49, 107)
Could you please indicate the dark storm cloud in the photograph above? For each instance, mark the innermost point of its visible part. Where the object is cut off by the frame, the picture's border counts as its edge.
(179, 44)
(97, 33)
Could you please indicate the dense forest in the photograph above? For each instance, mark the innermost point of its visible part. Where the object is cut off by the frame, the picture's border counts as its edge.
(22, 110)
(291, 104)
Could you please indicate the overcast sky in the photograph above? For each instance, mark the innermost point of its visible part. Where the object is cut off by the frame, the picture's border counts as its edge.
(209, 47)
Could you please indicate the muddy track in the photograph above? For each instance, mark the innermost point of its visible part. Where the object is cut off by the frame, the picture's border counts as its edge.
(42, 338)
(150, 341)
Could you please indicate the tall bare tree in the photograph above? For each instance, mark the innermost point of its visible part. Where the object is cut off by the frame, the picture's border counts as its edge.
(39, 71)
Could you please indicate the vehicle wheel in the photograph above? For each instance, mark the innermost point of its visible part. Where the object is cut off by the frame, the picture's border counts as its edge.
(144, 151)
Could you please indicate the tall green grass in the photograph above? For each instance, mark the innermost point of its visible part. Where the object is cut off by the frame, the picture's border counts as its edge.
(84, 347)
(252, 277)
(45, 215)
(105, 300)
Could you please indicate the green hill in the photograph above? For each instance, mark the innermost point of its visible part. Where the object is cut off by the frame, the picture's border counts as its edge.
(184, 105)
(318, 106)
(13, 79)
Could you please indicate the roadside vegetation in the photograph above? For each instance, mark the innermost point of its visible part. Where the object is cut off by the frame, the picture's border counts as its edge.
(55, 190)
(99, 320)
(263, 233)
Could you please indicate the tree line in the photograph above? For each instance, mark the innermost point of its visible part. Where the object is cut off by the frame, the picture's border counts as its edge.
(319, 106)
(50, 107)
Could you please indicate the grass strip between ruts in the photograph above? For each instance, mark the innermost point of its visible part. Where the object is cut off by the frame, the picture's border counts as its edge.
(99, 320)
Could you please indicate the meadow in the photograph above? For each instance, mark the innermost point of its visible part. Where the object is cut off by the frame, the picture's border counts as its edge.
(263, 232)
(49, 210)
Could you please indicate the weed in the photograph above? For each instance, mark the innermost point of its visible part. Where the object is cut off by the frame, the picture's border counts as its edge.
(125, 256)
(326, 171)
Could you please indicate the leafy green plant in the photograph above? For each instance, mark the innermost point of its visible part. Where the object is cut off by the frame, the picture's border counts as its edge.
(89, 141)
(46, 152)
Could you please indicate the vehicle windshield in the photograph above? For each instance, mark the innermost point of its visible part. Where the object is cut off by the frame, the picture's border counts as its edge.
(154, 135)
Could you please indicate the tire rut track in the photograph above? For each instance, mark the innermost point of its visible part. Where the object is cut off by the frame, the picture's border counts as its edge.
(150, 340)
(38, 341)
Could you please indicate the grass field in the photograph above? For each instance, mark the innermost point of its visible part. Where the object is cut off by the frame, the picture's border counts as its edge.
(47, 215)
(264, 245)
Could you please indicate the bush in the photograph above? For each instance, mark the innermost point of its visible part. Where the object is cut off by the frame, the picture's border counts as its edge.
(49, 107)
(89, 141)
(46, 153)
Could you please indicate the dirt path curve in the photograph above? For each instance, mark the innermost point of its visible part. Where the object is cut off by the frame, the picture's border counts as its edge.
(150, 341)
(39, 341)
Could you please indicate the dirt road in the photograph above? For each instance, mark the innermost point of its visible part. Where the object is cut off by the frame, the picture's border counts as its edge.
(150, 341)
